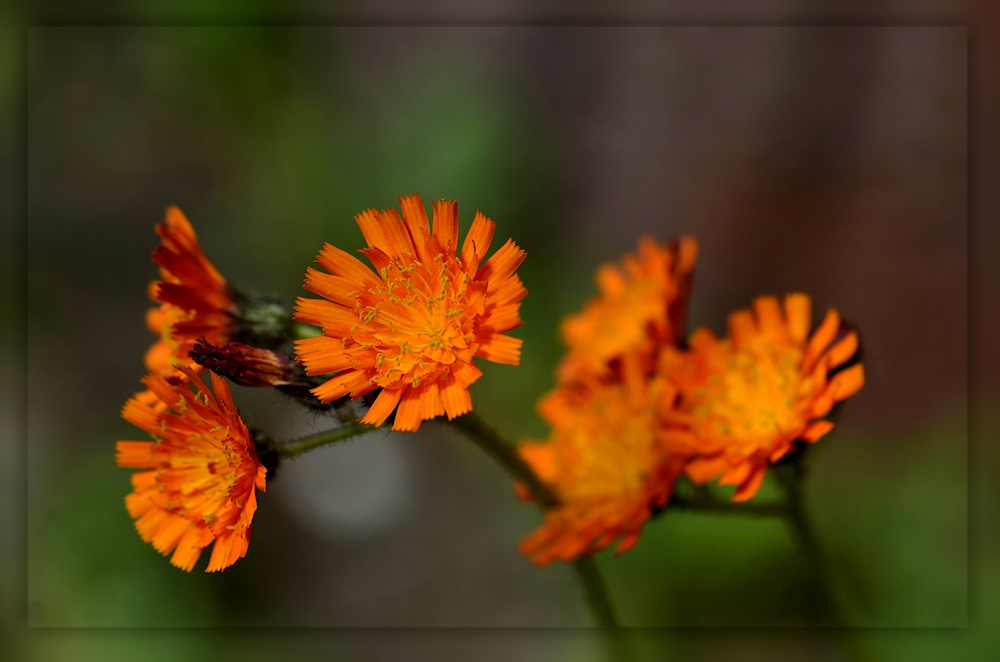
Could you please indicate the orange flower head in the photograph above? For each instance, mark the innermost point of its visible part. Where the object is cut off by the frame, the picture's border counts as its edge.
(606, 464)
(195, 300)
(744, 401)
(641, 305)
(412, 326)
(198, 476)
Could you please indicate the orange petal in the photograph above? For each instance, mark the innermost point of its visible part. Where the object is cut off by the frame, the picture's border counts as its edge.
(446, 225)
(322, 355)
(378, 257)
(742, 327)
(169, 534)
(769, 318)
(341, 263)
(335, 319)
(798, 312)
(748, 489)
(701, 470)
(502, 264)
(415, 218)
(736, 475)
(541, 458)
(842, 351)
(222, 550)
(383, 406)
(465, 373)
(135, 454)
(141, 415)
(456, 398)
(188, 550)
(372, 229)
(820, 340)
(628, 541)
(396, 236)
(816, 430)
(703, 339)
(477, 243)
(337, 289)
(408, 416)
(846, 383)
(822, 405)
(502, 318)
(355, 382)
(687, 255)
(508, 291)
(431, 404)
(501, 349)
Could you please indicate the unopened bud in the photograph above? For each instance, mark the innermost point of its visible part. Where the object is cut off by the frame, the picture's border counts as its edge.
(243, 364)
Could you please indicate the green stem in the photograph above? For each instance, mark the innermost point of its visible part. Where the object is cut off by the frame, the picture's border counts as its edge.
(704, 501)
(595, 591)
(792, 480)
(299, 446)
(505, 453)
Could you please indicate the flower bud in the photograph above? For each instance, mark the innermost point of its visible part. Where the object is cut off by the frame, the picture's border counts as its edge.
(243, 364)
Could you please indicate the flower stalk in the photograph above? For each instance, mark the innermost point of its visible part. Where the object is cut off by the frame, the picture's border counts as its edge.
(292, 449)
(791, 477)
(595, 591)
(486, 437)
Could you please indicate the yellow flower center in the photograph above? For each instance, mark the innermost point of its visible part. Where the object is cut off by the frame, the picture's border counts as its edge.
(424, 319)
(756, 401)
(609, 452)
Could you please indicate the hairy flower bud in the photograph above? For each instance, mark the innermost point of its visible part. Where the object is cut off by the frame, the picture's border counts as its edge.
(245, 365)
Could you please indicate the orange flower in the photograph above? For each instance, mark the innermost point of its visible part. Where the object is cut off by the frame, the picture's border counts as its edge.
(200, 473)
(606, 463)
(195, 300)
(412, 326)
(641, 305)
(744, 401)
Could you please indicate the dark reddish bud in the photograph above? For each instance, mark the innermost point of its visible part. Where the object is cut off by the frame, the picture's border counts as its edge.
(243, 364)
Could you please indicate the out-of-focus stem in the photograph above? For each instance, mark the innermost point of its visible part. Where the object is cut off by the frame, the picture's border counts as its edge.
(792, 480)
(705, 502)
(505, 453)
(595, 591)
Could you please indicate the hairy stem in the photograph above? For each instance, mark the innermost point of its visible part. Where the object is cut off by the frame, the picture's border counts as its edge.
(297, 447)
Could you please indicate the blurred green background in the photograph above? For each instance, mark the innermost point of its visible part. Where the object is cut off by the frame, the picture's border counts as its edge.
(830, 161)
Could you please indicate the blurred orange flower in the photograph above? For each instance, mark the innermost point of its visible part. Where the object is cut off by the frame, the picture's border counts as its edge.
(195, 300)
(744, 401)
(606, 463)
(412, 326)
(641, 306)
(199, 474)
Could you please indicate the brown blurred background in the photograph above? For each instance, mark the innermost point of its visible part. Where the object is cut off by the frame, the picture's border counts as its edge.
(827, 160)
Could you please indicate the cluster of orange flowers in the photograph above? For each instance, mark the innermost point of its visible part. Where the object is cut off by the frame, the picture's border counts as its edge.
(637, 403)
(199, 473)
(408, 329)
